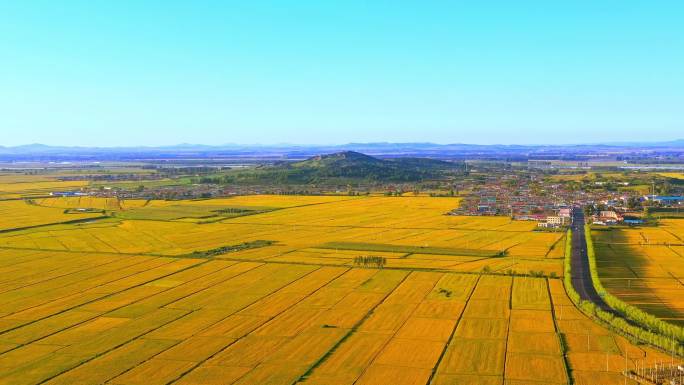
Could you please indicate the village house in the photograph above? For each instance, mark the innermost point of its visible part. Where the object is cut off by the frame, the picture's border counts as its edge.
(554, 222)
(607, 217)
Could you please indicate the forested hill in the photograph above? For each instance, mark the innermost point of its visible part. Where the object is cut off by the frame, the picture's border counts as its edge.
(346, 166)
(350, 164)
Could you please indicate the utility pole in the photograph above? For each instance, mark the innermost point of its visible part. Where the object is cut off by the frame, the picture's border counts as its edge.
(625, 364)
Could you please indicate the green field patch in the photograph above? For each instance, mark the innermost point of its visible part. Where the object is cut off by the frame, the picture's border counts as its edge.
(88, 210)
(229, 249)
(381, 247)
(178, 212)
(137, 183)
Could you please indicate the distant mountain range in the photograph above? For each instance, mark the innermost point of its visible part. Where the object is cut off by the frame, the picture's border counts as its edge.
(236, 152)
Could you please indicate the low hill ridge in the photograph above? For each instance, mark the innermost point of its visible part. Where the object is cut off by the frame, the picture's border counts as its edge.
(343, 168)
(356, 165)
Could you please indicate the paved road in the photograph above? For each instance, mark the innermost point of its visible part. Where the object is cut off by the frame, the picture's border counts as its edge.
(581, 275)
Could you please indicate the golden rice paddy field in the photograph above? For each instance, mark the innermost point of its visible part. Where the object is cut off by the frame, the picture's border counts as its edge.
(16, 214)
(411, 232)
(674, 175)
(14, 186)
(88, 318)
(121, 301)
(89, 202)
(643, 266)
(590, 175)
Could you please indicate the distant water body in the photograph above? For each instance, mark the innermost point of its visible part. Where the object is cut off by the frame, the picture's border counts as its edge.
(662, 167)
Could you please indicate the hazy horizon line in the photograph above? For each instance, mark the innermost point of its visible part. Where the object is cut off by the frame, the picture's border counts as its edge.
(287, 144)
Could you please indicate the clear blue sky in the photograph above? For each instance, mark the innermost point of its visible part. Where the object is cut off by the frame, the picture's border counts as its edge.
(114, 73)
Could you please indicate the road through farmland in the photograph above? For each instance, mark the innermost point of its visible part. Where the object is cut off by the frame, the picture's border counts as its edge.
(581, 274)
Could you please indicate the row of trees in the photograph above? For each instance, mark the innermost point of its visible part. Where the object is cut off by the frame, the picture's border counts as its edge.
(230, 249)
(567, 270)
(370, 260)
